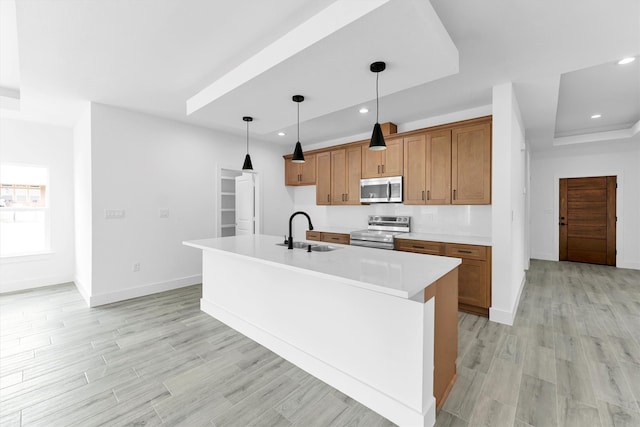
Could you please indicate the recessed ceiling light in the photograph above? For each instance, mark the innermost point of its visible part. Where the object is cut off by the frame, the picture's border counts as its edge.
(281, 134)
(596, 116)
(364, 110)
(626, 60)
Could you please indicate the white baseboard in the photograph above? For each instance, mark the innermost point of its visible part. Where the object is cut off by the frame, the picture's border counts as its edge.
(140, 291)
(507, 317)
(630, 265)
(23, 285)
(543, 256)
(364, 393)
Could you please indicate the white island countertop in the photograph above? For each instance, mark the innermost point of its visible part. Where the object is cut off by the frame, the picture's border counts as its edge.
(400, 274)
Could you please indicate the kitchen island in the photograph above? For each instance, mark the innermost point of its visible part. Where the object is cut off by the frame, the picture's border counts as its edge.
(363, 320)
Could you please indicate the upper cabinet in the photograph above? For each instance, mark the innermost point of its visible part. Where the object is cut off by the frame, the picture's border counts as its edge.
(382, 163)
(323, 185)
(300, 173)
(345, 176)
(427, 163)
(471, 164)
(443, 165)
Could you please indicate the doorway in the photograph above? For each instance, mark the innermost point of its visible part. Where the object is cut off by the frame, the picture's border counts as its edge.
(238, 203)
(587, 223)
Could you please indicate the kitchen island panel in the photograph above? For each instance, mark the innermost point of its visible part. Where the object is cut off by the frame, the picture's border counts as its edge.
(374, 347)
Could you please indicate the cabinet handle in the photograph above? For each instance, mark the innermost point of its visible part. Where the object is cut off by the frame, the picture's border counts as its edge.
(454, 194)
(378, 168)
(428, 195)
(418, 247)
(329, 198)
(464, 251)
(346, 197)
(383, 168)
(422, 194)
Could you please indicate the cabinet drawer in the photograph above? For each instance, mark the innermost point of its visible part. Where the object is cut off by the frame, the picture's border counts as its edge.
(466, 251)
(420, 246)
(313, 235)
(340, 238)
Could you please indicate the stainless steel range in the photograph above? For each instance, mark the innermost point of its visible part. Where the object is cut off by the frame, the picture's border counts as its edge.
(381, 231)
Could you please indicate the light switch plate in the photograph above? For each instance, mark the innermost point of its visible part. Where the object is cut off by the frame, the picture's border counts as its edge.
(114, 213)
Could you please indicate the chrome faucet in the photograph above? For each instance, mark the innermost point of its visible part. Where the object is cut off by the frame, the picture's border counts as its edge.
(290, 240)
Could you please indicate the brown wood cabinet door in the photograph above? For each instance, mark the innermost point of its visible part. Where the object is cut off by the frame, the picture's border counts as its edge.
(472, 286)
(291, 172)
(308, 170)
(588, 220)
(354, 173)
(371, 162)
(323, 181)
(415, 178)
(471, 165)
(438, 171)
(392, 157)
(338, 176)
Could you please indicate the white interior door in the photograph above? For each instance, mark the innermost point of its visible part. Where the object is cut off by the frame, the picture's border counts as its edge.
(245, 204)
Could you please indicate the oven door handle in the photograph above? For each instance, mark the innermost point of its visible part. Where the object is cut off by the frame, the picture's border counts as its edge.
(388, 190)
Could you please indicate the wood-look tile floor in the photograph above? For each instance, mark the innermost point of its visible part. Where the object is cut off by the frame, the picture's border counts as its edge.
(571, 358)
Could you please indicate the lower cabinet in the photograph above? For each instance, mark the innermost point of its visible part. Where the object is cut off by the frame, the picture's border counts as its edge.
(321, 236)
(474, 274)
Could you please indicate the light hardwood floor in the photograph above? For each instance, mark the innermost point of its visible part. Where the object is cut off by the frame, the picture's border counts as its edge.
(571, 358)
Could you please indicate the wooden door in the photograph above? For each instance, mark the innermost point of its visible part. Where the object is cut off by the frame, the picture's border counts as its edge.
(415, 170)
(472, 289)
(338, 177)
(438, 173)
(323, 181)
(291, 172)
(393, 160)
(588, 220)
(371, 162)
(245, 204)
(471, 165)
(354, 173)
(308, 170)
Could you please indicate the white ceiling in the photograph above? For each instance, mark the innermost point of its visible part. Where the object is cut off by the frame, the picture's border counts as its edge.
(443, 56)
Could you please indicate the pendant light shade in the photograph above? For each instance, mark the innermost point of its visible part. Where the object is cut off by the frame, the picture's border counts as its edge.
(377, 139)
(298, 156)
(247, 165)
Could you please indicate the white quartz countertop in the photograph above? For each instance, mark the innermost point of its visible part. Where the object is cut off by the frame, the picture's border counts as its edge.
(448, 238)
(401, 274)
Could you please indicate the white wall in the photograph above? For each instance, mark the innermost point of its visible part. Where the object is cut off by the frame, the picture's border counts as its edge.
(620, 158)
(508, 205)
(29, 143)
(141, 163)
(82, 205)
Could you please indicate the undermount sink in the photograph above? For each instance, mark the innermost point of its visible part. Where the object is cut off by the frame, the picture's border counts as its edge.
(297, 245)
(314, 247)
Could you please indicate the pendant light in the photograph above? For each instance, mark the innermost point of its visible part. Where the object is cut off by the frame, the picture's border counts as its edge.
(377, 140)
(247, 166)
(298, 157)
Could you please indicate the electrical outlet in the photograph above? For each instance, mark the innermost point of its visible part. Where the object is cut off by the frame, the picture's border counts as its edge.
(136, 267)
(163, 213)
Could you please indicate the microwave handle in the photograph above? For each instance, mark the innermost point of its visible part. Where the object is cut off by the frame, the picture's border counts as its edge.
(388, 190)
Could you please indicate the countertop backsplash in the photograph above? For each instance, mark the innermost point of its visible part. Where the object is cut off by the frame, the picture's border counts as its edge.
(468, 220)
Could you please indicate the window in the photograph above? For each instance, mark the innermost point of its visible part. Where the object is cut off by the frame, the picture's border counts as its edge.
(24, 213)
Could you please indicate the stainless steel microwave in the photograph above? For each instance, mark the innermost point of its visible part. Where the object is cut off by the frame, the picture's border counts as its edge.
(381, 190)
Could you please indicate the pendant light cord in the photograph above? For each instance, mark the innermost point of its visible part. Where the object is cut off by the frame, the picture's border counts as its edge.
(377, 108)
(298, 122)
(247, 137)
